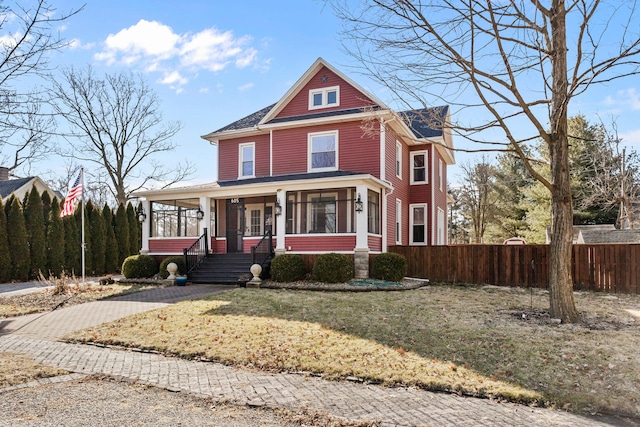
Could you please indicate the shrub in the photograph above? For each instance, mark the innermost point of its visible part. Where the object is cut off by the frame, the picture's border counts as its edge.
(389, 266)
(333, 268)
(288, 268)
(179, 260)
(139, 267)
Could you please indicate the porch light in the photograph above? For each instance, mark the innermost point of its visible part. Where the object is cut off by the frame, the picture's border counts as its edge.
(359, 204)
(141, 216)
(277, 209)
(199, 213)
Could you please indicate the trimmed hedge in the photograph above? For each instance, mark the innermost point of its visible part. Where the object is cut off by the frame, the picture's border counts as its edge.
(288, 268)
(179, 260)
(389, 266)
(139, 267)
(333, 268)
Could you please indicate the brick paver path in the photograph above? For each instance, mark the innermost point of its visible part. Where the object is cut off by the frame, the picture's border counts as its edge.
(403, 406)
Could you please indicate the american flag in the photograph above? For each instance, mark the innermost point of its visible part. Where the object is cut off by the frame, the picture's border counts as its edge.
(74, 193)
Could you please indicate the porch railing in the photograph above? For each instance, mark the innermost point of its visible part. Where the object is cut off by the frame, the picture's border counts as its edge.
(261, 252)
(197, 252)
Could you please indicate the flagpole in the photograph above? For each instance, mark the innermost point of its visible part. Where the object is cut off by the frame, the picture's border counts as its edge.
(82, 213)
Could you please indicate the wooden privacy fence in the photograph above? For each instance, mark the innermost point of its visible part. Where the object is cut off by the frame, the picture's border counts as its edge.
(604, 268)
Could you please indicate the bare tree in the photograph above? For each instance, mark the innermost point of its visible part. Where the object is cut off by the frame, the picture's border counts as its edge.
(478, 197)
(29, 37)
(115, 123)
(520, 62)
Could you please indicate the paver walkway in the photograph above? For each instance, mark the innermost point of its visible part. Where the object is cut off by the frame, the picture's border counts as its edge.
(403, 406)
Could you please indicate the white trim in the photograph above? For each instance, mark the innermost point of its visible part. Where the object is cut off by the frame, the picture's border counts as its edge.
(383, 150)
(426, 218)
(398, 222)
(426, 166)
(310, 137)
(241, 159)
(398, 160)
(324, 94)
(271, 152)
(438, 241)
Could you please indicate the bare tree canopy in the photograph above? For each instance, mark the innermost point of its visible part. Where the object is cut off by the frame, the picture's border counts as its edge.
(115, 123)
(28, 38)
(520, 61)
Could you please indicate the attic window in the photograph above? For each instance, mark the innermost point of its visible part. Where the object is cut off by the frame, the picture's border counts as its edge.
(325, 97)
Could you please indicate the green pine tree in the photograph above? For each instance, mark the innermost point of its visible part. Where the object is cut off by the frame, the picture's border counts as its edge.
(72, 245)
(18, 244)
(46, 207)
(55, 240)
(88, 260)
(36, 233)
(122, 234)
(98, 239)
(134, 231)
(5, 260)
(111, 245)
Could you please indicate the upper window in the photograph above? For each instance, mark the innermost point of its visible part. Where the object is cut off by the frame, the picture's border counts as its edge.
(247, 157)
(398, 159)
(419, 167)
(323, 151)
(325, 97)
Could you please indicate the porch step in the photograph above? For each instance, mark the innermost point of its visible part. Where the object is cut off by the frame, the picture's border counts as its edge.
(222, 268)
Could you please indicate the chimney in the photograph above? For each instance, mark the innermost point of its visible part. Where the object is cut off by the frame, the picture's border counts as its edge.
(4, 173)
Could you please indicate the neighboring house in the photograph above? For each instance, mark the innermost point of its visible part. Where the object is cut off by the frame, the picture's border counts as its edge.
(20, 187)
(600, 234)
(328, 168)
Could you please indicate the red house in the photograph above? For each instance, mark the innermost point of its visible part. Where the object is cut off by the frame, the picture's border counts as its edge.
(328, 168)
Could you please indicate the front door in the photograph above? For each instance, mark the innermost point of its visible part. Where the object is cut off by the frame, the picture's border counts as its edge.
(235, 225)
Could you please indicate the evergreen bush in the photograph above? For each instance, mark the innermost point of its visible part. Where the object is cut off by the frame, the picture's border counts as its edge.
(36, 233)
(55, 240)
(135, 237)
(72, 245)
(139, 267)
(5, 260)
(17, 239)
(179, 260)
(288, 268)
(389, 266)
(98, 239)
(333, 268)
(111, 259)
(122, 234)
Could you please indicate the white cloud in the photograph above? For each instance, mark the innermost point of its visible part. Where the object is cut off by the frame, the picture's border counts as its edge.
(631, 137)
(245, 87)
(624, 99)
(75, 44)
(155, 47)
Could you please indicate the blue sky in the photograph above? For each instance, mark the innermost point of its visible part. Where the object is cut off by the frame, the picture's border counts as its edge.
(212, 62)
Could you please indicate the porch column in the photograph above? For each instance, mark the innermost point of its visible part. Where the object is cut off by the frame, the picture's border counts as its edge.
(145, 226)
(205, 205)
(281, 222)
(361, 251)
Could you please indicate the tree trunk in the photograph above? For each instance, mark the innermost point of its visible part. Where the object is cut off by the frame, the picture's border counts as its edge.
(560, 281)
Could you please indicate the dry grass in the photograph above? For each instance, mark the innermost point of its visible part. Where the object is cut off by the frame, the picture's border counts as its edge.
(488, 341)
(62, 295)
(17, 369)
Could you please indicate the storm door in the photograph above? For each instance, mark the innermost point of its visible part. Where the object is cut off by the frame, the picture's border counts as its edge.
(235, 225)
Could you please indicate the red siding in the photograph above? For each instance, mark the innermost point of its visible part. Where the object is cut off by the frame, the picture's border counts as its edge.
(320, 243)
(220, 246)
(375, 243)
(170, 246)
(349, 96)
(356, 151)
(228, 156)
(401, 189)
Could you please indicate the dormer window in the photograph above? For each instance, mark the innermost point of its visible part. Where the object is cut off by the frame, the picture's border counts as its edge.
(325, 97)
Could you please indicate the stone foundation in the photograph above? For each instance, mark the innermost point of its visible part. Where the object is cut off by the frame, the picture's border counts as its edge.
(361, 263)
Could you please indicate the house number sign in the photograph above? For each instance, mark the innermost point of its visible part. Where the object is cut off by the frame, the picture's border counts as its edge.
(235, 201)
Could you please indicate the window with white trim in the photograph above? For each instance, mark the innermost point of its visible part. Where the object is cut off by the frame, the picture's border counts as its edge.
(373, 212)
(398, 159)
(398, 222)
(418, 229)
(323, 151)
(419, 167)
(440, 173)
(324, 97)
(258, 219)
(247, 160)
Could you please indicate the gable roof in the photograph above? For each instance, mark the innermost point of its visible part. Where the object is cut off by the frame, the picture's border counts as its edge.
(608, 236)
(306, 77)
(247, 122)
(11, 185)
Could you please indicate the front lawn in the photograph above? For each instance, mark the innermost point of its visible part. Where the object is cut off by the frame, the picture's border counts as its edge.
(482, 341)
